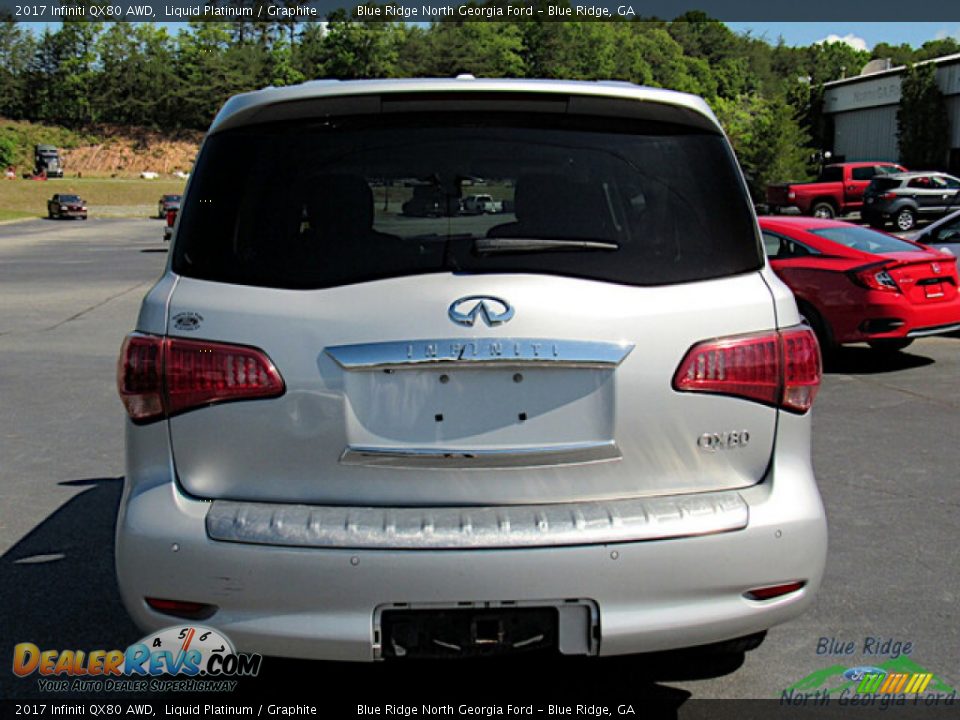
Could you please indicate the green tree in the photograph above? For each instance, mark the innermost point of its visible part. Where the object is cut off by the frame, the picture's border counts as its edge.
(8, 151)
(16, 48)
(922, 123)
(206, 78)
(75, 79)
(767, 138)
(936, 48)
(897, 54)
(352, 49)
(493, 49)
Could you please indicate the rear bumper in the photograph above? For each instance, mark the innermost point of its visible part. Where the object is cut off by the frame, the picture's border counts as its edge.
(876, 318)
(321, 602)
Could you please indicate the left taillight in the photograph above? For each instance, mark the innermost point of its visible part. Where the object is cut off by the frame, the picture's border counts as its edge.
(780, 368)
(875, 276)
(158, 377)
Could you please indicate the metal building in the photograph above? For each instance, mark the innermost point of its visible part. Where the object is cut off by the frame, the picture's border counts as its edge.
(864, 110)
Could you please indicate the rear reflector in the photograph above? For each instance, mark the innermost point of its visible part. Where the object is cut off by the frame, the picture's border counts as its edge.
(158, 377)
(773, 591)
(181, 608)
(779, 368)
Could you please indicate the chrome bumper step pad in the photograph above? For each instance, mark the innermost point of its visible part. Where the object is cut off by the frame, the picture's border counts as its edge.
(458, 528)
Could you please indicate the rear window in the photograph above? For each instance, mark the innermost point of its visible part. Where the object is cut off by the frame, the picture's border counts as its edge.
(325, 203)
(69, 198)
(860, 238)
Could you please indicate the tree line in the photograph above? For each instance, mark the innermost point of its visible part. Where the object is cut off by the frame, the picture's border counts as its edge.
(767, 94)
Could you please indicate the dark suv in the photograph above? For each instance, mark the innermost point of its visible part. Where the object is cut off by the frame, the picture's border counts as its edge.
(903, 198)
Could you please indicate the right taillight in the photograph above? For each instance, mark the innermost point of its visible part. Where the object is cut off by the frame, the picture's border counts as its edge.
(780, 368)
(158, 377)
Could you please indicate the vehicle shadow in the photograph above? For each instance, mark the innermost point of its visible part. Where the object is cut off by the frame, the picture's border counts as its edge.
(59, 587)
(59, 592)
(851, 360)
(154, 250)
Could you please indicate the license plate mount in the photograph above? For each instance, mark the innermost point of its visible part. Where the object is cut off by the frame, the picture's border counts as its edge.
(468, 632)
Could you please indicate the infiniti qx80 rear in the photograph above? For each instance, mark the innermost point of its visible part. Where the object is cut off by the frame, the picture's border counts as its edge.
(579, 420)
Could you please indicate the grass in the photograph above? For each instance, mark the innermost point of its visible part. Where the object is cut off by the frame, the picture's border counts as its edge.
(14, 215)
(28, 198)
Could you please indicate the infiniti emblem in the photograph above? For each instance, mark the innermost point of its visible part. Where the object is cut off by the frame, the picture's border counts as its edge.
(493, 310)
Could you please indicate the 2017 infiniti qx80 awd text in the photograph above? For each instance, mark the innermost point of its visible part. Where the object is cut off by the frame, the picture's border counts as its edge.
(579, 420)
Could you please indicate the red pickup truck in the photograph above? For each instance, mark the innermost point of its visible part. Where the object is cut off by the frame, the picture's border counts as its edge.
(838, 190)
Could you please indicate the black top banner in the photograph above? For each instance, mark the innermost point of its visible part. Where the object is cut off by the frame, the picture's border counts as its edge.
(420, 11)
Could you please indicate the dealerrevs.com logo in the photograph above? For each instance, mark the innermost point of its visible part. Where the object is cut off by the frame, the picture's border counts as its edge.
(200, 658)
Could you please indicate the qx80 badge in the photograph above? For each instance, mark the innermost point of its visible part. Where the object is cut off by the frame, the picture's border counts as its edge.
(493, 310)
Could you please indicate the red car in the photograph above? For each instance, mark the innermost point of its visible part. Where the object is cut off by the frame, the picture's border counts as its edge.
(854, 284)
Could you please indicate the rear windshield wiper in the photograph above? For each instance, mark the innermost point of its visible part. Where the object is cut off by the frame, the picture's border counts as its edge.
(501, 245)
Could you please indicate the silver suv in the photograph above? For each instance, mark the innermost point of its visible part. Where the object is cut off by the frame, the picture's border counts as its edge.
(905, 198)
(581, 423)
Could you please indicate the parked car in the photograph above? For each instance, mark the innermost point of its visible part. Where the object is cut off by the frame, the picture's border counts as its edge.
(586, 428)
(63, 205)
(854, 284)
(168, 227)
(837, 191)
(168, 203)
(905, 198)
(943, 235)
(480, 204)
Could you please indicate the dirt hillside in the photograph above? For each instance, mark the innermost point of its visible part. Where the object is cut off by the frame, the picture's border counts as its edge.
(125, 151)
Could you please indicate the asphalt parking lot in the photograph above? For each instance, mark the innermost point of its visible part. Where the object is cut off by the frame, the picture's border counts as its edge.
(885, 451)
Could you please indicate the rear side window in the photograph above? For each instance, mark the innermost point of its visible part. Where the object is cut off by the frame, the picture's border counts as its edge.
(864, 173)
(882, 183)
(326, 203)
(831, 174)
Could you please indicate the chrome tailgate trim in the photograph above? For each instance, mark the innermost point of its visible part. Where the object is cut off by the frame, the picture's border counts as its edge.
(446, 458)
(473, 352)
(454, 528)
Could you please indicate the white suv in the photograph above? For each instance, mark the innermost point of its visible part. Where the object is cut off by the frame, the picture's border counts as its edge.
(581, 423)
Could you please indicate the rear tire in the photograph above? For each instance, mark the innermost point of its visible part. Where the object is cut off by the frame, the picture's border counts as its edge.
(823, 210)
(905, 220)
(820, 328)
(888, 347)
